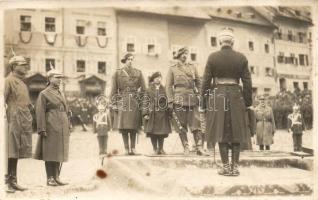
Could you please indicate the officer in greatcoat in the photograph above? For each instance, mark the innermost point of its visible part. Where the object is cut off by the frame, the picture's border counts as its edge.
(53, 128)
(182, 88)
(128, 86)
(227, 102)
(19, 118)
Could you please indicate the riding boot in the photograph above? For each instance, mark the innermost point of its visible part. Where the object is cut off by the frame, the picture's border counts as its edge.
(184, 141)
(8, 178)
(160, 144)
(124, 134)
(198, 139)
(57, 174)
(267, 147)
(153, 139)
(224, 151)
(49, 167)
(133, 136)
(235, 159)
(13, 179)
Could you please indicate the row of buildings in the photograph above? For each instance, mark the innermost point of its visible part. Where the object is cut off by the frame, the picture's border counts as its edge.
(87, 44)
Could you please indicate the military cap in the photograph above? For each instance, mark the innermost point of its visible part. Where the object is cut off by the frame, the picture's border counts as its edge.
(17, 60)
(126, 56)
(226, 34)
(296, 107)
(262, 97)
(180, 52)
(153, 76)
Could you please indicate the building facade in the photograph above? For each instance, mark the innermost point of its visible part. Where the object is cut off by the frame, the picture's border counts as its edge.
(87, 44)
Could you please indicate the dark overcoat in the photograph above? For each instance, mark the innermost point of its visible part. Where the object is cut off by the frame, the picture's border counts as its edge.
(19, 117)
(51, 113)
(230, 99)
(155, 105)
(128, 86)
(265, 125)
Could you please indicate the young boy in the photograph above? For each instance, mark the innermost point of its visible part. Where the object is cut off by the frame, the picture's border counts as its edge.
(101, 124)
(296, 125)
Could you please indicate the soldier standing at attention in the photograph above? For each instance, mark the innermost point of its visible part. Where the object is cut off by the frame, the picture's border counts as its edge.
(128, 85)
(227, 103)
(182, 88)
(17, 99)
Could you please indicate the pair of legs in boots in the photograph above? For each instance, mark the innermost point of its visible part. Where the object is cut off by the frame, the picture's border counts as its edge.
(229, 169)
(11, 178)
(102, 143)
(267, 147)
(52, 169)
(297, 140)
(198, 140)
(157, 144)
(132, 135)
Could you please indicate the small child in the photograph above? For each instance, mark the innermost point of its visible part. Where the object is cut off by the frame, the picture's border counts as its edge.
(101, 124)
(296, 125)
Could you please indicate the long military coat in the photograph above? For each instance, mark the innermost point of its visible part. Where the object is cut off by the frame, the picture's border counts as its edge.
(226, 99)
(155, 106)
(51, 114)
(19, 118)
(128, 85)
(265, 125)
(181, 79)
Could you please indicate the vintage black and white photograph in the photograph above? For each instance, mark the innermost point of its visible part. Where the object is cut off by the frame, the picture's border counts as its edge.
(133, 101)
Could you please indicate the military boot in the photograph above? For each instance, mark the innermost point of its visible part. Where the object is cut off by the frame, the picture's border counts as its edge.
(235, 160)
(14, 184)
(9, 189)
(57, 174)
(225, 170)
(198, 139)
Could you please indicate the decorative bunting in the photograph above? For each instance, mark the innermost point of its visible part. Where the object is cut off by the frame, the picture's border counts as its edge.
(50, 38)
(25, 37)
(81, 40)
(104, 40)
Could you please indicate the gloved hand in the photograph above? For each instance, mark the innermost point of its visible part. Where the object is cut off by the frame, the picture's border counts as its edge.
(43, 133)
(146, 117)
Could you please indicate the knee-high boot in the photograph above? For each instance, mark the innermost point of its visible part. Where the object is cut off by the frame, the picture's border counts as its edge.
(198, 139)
(49, 167)
(13, 177)
(133, 136)
(235, 159)
(224, 153)
(57, 174)
(124, 134)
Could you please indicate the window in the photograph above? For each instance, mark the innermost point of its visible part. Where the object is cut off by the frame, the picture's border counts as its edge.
(48, 63)
(80, 66)
(296, 85)
(301, 59)
(193, 54)
(305, 84)
(301, 37)
(268, 71)
(151, 46)
(101, 67)
(101, 28)
(131, 45)
(25, 22)
(251, 45)
(28, 59)
(306, 59)
(252, 70)
(267, 91)
(49, 24)
(290, 35)
(280, 57)
(266, 46)
(80, 27)
(213, 41)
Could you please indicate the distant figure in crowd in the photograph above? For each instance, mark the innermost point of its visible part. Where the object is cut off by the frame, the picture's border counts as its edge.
(227, 103)
(296, 126)
(182, 88)
(18, 112)
(128, 86)
(251, 130)
(265, 124)
(53, 128)
(156, 114)
(102, 124)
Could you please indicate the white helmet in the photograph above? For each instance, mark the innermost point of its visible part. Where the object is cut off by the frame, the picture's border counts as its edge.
(226, 35)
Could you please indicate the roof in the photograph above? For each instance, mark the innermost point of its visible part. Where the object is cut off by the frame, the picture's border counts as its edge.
(92, 78)
(189, 12)
(239, 14)
(299, 13)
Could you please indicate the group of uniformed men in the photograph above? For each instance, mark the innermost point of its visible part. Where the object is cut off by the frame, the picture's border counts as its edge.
(222, 103)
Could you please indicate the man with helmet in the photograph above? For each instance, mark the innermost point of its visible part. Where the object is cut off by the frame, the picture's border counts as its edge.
(18, 112)
(226, 102)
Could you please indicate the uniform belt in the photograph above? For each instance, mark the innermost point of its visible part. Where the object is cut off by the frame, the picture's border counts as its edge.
(57, 109)
(225, 81)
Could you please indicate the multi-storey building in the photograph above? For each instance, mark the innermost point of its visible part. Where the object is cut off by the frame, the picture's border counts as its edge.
(293, 57)
(79, 42)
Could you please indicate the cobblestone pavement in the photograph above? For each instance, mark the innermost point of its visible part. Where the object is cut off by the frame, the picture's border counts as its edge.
(83, 162)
